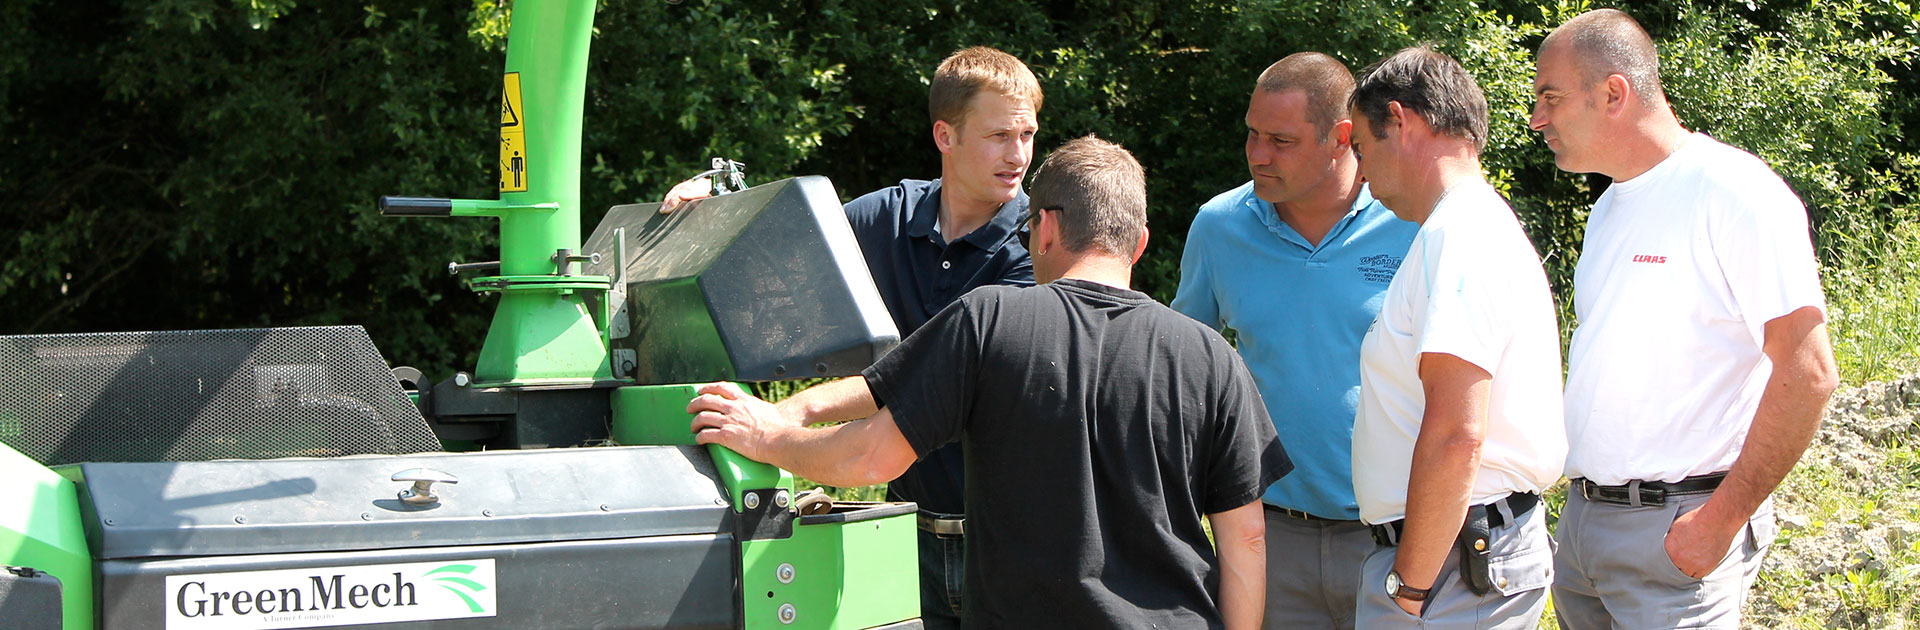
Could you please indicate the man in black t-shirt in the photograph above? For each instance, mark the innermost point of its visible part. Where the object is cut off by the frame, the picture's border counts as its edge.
(1099, 427)
(927, 243)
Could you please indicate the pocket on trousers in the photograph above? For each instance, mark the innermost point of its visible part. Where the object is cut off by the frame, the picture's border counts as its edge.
(1522, 571)
(1762, 529)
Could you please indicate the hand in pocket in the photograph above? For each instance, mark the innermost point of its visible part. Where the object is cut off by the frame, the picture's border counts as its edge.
(1695, 547)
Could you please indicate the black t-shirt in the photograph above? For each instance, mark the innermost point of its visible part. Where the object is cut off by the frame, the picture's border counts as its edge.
(1099, 426)
(919, 273)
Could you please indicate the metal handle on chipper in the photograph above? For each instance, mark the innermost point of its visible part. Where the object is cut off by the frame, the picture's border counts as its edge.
(423, 479)
(416, 206)
(563, 260)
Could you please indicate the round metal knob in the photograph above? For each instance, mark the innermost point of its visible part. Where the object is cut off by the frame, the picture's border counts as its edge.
(423, 479)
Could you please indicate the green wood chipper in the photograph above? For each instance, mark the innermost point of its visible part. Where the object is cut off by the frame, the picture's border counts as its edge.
(292, 478)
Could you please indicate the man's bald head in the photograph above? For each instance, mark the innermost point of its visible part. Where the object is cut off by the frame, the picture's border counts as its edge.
(1606, 42)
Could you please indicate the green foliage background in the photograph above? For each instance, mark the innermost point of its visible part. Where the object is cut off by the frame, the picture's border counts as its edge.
(177, 164)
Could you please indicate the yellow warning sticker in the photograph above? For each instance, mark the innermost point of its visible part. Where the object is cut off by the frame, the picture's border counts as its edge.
(513, 161)
(513, 137)
(510, 102)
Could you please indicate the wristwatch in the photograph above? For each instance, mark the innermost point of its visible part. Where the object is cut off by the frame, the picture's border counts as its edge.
(1398, 589)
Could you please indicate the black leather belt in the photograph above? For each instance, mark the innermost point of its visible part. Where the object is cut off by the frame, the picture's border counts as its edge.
(1300, 515)
(942, 525)
(1388, 534)
(1638, 493)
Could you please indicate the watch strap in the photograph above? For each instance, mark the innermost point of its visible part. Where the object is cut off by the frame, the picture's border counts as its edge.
(1402, 591)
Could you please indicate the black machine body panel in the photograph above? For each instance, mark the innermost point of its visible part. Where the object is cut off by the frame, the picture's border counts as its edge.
(246, 507)
(29, 599)
(765, 284)
(614, 537)
(657, 582)
(519, 417)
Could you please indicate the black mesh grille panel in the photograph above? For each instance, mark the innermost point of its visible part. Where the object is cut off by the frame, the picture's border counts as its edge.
(203, 394)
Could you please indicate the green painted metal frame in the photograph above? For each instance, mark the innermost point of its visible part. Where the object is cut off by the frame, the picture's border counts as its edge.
(40, 527)
(845, 576)
(657, 415)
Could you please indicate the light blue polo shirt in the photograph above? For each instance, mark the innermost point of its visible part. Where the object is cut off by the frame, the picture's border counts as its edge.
(1300, 312)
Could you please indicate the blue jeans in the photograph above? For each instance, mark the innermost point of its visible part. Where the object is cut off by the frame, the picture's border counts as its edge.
(942, 574)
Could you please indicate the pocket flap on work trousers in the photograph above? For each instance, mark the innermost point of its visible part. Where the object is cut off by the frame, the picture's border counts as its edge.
(1522, 571)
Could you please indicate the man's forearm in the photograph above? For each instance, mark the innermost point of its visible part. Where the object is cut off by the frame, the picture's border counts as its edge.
(852, 454)
(1441, 484)
(1788, 417)
(846, 455)
(833, 401)
(1241, 535)
(1446, 456)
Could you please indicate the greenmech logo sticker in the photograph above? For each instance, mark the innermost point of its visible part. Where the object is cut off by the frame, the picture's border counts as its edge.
(331, 596)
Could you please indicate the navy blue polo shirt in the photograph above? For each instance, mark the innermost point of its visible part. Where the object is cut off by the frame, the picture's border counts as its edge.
(919, 273)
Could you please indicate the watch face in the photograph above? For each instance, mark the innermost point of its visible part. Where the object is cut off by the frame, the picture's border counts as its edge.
(1393, 584)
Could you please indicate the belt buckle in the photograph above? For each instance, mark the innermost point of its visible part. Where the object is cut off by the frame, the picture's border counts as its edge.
(1586, 489)
(941, 527)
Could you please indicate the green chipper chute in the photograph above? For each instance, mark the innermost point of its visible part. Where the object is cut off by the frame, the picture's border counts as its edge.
(292, 478)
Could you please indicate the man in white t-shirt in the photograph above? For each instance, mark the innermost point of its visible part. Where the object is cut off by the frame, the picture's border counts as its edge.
(1459, 426)
(1701, 364)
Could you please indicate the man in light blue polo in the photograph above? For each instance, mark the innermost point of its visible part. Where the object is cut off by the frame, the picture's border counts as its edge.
(1296, 262)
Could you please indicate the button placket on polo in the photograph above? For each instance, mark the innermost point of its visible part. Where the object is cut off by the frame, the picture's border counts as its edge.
(944, 280)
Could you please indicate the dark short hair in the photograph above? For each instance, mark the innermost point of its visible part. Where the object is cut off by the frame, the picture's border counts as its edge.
(963, 74)
(1428, 83)
(1606, 42)
(1100, 192)
(1326, 82)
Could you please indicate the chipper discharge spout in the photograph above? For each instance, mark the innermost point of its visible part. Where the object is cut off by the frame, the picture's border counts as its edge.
(545, 329)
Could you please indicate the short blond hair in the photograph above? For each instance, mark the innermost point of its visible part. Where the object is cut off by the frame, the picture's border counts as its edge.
(963, 74)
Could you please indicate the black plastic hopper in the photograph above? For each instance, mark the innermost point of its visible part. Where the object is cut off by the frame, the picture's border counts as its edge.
(764, 284)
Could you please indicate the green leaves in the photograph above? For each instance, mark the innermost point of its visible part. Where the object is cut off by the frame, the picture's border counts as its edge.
(209, 163)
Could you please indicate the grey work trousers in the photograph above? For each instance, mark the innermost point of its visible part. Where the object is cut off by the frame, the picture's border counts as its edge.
(1613, 571)
(1311, 569)
(1522, 567)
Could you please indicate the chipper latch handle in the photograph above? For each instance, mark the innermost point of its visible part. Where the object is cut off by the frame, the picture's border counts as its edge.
(416, 207)
(423, 479)
(454, 268)
(563, 260)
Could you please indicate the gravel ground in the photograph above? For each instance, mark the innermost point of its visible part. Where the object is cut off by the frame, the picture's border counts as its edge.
(1849, 552)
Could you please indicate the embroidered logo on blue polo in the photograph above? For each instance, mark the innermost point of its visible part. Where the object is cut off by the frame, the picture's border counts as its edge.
(1379, 268)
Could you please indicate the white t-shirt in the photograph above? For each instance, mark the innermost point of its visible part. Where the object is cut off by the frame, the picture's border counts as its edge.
(1472, 287)
(1682, 268)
